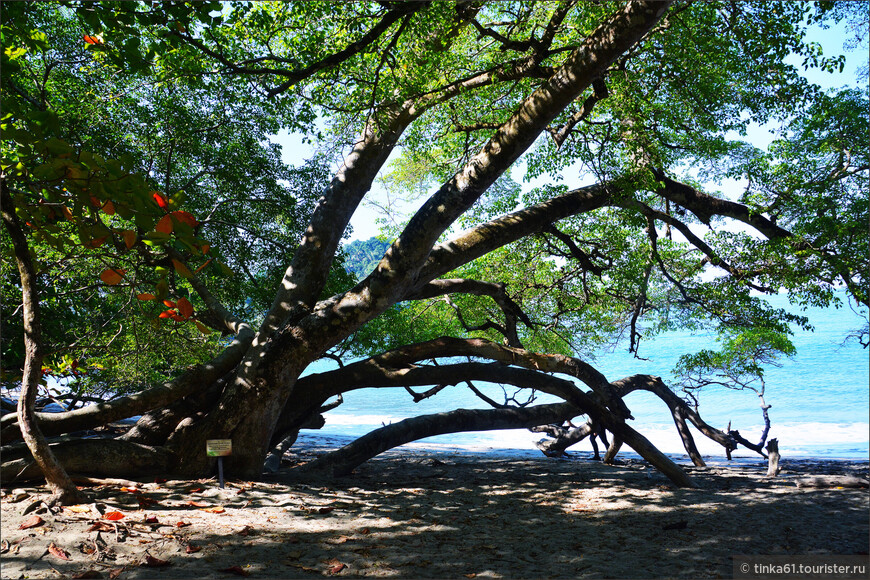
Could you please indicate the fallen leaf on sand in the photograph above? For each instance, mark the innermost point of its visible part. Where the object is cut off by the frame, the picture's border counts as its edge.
(214, 510)
(101, 527)
(337, 568)
(365, 531)
(151, 520)
(182, 524)
(31, 522)
(145, 501)
(197, 504)
(191, 549)
(58, 552)
(152, 562)
(196, 490)
(237, 570)
(79, 509)
(114, 516)
(131, 489)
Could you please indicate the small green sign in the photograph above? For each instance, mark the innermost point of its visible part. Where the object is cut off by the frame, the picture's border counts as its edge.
(219, 447)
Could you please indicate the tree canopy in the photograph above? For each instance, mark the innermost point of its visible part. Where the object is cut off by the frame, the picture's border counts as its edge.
(187, 273)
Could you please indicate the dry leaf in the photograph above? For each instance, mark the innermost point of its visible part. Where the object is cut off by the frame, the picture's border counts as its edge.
(183, 524)
(114, 516)
(101, 527)
(87, 574)
(197, 504)
(86, 548)
(58, 552)
(337, 568)
(191, 549)
(31, 522)
(79, 509)
(196, 490)
(151, 520)
(152, 562)
(237, 570)
(365, 531)
(215, 510)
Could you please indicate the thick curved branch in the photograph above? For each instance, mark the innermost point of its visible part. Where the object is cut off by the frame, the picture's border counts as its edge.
(344, 460)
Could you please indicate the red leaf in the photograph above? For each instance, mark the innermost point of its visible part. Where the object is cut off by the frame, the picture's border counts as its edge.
(57, 552)
(196, 490)
(185, 217)
(207, 262)
(185, 308)
(237, 570)
(91, 39)
(182, 524)
(337, 568)
(129, 238)
(146, 296)
(151, 520)
(169, 303)
(166, 314)
(31, 522)
(131, 490)
(112, 276)
(114, 516)
(197, 504)
(95, 243)
(191, 549)
(152, 562)
(109, 207)
(159, 199)
(164, 226)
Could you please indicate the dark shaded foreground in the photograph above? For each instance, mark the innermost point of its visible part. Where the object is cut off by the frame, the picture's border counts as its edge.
(441, 515)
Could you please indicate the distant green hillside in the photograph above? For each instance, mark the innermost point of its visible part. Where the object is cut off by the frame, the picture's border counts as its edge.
(364, 255)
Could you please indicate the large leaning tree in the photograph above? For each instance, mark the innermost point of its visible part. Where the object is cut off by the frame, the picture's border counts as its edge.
(160, 259)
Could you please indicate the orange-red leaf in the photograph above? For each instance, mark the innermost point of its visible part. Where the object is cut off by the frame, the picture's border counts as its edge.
(185, 308)
(129, 238)
(112, 276)
(109, 207)
(207, 262)
(166, 314)
(67, 213)
(146, 296)
(58, 552)
(151, 520)
(182, 524)
(131, 489)
(164, 226)
(197, 504)
(337, 568)
(91, 39)
(215, 510)
(114, 516)
(101, 527)
(159, 199)
(182, 269)
(186, 218)
(31, 522)
(95, 242)
(169, 303)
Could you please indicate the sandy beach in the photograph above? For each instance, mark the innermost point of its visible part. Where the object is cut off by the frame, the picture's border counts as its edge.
(418, 513)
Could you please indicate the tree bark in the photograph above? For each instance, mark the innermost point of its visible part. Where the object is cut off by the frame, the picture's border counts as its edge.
(63, 490)
(344, 460)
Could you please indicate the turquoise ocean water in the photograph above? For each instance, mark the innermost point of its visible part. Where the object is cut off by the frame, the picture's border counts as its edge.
(819, 398)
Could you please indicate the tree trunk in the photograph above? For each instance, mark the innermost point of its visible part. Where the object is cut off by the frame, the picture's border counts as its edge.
(63, 490)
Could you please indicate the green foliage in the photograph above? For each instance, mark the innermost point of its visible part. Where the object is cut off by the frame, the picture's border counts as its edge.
(739, 363)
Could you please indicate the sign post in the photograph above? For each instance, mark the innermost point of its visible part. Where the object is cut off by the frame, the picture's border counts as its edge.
(219, 448)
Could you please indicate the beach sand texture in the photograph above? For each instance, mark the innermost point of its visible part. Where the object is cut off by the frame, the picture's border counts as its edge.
(424, 514)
